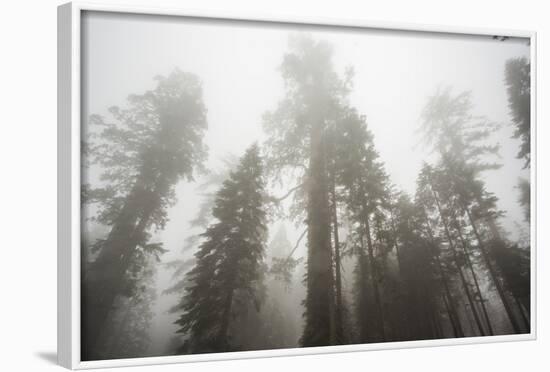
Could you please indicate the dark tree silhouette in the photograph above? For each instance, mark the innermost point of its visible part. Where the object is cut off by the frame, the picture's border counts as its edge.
(228, 270)
(518, 83)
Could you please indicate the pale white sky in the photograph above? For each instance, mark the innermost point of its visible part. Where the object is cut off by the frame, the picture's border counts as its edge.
(237, 62)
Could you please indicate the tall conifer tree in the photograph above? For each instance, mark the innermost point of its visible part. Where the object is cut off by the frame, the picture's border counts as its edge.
(142, 151)
(228, 271)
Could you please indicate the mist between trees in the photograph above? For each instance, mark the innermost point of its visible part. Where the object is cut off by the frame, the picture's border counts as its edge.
(381, 264)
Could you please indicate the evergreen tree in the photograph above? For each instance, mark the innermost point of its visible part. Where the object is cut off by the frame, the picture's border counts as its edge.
(228, 271)
(142, 151)
(518, 83)
(515, 261)
(443, 202)
(418, 273)
(278, 324)
(462, 142)
(444, 265)
(365, 186)
(297, 135)
(213, 182)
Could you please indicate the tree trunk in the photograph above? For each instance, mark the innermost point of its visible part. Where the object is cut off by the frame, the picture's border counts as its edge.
(338, 279)
(465, 284)
(491, 223)
(364, 335)
(453, 318)
(493, 274)
(226, 320)
(396, 245)
(117, 336)
(522, 312)
(320, 297)
(436, 321)
(474, 276)
(104, 280)
(404, 314)
(451, 306)
(374, 275)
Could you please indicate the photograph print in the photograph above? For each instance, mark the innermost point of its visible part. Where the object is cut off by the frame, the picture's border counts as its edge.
(254, 185)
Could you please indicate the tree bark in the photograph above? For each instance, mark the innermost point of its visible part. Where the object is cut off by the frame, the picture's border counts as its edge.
(226, 320)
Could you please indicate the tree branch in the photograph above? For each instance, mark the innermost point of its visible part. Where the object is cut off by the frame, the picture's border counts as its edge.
(297, 244)
(278, 200)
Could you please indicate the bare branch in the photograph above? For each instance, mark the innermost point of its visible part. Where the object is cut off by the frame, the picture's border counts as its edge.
(297, 187)
(297, 244)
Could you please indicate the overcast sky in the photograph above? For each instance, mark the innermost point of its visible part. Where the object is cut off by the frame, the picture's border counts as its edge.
(237, 62)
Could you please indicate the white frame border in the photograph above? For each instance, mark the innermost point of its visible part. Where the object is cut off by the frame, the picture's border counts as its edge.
(69, 116)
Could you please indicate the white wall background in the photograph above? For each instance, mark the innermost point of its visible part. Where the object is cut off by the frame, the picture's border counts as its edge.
(28, 182)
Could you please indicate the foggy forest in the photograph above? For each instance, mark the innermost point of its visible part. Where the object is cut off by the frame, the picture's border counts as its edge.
(251, 186)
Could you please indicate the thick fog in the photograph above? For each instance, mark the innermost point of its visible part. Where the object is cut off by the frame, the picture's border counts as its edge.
(238, 64)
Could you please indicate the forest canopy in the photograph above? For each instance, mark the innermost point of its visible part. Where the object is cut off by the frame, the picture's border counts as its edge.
(301, 202)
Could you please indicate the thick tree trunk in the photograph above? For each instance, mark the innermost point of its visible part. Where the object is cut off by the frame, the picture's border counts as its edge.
(116, 337)
(104, 280)
(223, 343)
(320, 296)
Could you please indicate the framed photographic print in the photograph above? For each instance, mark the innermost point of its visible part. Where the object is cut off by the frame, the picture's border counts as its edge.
(242, 186)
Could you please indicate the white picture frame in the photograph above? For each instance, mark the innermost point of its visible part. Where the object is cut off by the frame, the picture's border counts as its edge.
(69, 121)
